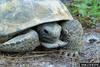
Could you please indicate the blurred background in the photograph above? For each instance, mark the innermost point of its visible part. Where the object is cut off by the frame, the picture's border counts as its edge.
(86, 11)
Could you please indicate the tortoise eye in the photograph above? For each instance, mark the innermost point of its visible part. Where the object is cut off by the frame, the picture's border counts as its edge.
(46, 31)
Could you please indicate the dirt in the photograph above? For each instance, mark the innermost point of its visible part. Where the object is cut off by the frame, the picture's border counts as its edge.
(56, 58)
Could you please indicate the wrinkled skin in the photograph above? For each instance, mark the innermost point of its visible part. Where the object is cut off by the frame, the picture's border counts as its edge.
(18, 21)
(21, 43)
(49, 34)
(68, 33)
(72, 33)
(52, 35)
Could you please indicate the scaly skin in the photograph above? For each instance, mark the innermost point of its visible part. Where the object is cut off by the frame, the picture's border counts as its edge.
(52, 35)
(19, 15)
(21, 43)
(49, 34)
(72, 33)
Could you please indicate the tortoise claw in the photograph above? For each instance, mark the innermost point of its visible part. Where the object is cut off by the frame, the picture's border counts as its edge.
(73, 54)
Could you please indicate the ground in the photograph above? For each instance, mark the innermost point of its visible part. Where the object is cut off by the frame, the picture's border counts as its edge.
(57, 58)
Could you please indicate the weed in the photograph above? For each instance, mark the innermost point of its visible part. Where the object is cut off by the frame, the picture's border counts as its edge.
(87, 11)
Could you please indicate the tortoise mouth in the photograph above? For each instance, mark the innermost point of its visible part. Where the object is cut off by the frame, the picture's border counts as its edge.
(55, 44)
(49, 39)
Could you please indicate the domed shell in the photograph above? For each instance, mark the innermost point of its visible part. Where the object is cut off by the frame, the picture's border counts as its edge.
(17, 15)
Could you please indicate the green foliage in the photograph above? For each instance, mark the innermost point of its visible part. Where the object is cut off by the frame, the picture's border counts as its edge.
(87, 11)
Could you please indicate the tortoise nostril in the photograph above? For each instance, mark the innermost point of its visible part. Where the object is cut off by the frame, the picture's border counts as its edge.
(92, 40)
(46, 31)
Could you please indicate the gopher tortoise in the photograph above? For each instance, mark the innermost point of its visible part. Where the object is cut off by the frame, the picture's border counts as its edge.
(27, 24)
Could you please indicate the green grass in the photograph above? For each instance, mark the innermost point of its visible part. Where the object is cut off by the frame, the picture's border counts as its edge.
(87, 11)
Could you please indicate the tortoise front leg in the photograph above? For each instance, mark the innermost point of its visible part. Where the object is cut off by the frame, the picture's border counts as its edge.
(21, 43)
(72, 33)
